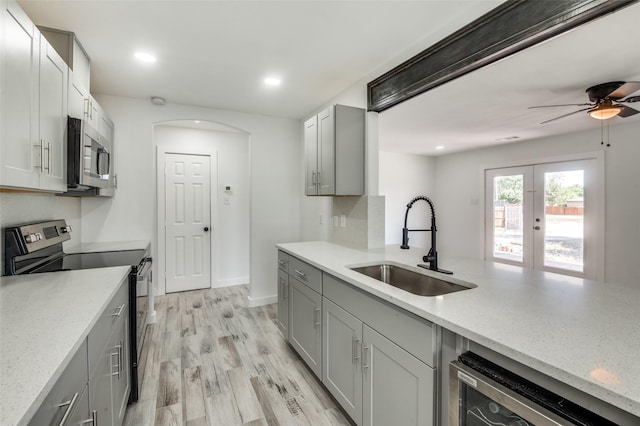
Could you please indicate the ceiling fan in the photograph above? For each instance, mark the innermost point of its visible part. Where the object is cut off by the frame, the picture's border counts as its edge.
(607, 101)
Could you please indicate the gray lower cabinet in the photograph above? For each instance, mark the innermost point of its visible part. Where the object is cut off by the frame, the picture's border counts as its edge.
(67, 398)
(374, 380)
(283, 302)
(305, 324)
(342, 372)
(398, 388)
(94, 387)
(109, 363)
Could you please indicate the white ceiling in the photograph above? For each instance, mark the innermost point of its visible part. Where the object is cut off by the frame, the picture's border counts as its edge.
(491, 103)
(215, 54)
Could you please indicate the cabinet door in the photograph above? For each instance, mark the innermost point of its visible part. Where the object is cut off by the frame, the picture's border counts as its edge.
(19, 48)
(305, 324)
(93, 113)
(78, 100)
(398, 388)
(342, 344)
(100, 388)
(53, 117)
(311, 155)
(283, 302)
(120, 377)
(326, 152)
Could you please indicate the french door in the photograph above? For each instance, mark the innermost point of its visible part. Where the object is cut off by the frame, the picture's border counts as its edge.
(546, 216)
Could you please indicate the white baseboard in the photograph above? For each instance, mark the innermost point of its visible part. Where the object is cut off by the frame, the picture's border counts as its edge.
(260, 301)
(231, 282)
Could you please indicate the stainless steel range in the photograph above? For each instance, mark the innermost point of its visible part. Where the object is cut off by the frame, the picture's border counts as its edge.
(37, 247)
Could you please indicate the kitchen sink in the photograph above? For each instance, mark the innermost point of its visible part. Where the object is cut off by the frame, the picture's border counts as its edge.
(411, 281)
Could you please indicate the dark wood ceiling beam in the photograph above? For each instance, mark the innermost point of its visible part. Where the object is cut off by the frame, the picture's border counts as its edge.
(505, 30)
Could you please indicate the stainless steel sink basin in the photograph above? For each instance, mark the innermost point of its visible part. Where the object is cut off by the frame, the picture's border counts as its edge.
(411, 281)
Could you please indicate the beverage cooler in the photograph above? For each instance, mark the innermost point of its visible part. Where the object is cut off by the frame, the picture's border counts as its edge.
(482, 393)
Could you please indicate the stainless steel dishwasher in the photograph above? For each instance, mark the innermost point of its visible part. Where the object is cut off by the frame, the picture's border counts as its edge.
(482, 393)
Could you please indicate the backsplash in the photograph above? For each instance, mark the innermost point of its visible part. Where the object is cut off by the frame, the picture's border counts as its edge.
(358, 221)
(23, 207)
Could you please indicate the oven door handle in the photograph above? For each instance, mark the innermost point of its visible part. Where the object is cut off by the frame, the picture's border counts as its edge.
(145, 269)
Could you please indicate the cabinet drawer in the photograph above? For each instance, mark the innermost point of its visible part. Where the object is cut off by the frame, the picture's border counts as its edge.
(99, 335)
(416, 335)
(66, 393)
(283, 261)
(305, 273)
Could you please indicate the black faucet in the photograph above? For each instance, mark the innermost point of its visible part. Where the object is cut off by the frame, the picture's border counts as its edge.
(432, 256)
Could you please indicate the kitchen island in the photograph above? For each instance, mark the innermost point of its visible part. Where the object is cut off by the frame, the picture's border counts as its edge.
(44, 320)
(580, 332)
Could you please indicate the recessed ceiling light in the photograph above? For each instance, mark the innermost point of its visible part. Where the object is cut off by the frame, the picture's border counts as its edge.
(439, 147)
(145, 57)
(272, 81)
(196, 121)
(508, 138)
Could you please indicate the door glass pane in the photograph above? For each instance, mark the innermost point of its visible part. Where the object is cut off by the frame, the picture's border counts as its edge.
(477, 409)
(508, 195)
(564, 220)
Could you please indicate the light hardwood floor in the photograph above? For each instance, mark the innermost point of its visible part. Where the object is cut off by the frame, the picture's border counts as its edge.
(211, 360)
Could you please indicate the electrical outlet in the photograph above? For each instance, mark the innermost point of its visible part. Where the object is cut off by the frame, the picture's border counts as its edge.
(343, 221)
(321, 219)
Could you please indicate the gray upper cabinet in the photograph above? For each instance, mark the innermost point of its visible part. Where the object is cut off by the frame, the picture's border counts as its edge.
(53, 118)
(334, 152)
(34, 106)
(74, 55)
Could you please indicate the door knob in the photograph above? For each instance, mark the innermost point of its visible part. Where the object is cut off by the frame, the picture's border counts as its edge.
(206, 229)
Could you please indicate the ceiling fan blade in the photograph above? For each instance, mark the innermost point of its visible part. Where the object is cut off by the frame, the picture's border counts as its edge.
(566, 115)
(624, 90)
(560, 105)
(631, 99)
(627, 111)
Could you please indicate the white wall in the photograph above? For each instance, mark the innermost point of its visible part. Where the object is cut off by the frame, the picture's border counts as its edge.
(402, 177)
(460, 191)
(230, 229)
(275, 170)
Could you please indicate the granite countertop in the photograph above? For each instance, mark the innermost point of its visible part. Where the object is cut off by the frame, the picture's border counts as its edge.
(93, 247)
(581, 332)
(43, 320)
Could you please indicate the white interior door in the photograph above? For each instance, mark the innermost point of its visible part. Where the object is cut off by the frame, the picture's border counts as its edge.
(187, 222)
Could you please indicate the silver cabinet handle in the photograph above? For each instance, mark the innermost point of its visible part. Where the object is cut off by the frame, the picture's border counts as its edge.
(86, 107)
(365, 364)
(282, 262)
(119, 365)
(302, 274)
(70, 405)
(354, 349)
(118, 311)
(285, 291)
(313, 178)
(316, 320)
(93, 420)
(318, 178)
(41, 146)
(47, 167)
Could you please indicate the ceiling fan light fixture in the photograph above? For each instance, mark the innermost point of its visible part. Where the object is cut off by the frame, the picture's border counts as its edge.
(604, 112)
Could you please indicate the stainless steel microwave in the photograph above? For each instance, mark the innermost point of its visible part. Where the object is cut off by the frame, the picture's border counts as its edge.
(88, 161)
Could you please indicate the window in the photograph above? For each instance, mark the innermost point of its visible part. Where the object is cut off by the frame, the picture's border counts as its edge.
(547, 217)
